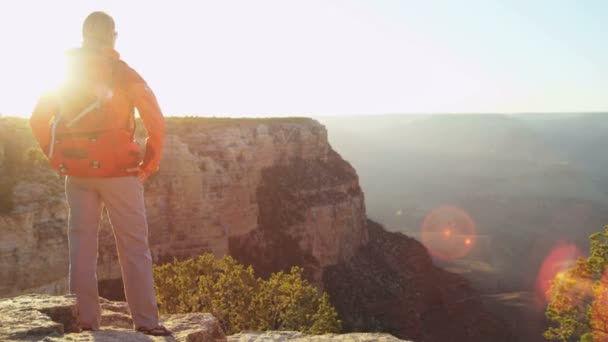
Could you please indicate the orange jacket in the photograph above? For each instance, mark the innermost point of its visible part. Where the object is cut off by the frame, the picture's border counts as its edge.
(132, 92)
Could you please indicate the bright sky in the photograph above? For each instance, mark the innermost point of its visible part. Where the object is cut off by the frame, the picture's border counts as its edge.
(317, 57)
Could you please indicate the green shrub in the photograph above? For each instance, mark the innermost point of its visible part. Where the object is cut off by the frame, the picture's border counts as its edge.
(34, 157)
(579, 296)
(239, 300)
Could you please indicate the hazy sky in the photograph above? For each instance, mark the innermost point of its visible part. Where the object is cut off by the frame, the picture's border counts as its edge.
(315, 57)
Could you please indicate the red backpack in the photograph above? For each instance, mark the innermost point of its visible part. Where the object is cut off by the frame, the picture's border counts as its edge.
(88, 139)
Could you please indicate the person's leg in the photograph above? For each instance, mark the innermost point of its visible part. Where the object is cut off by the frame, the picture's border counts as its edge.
(83, 224)
(124, 200)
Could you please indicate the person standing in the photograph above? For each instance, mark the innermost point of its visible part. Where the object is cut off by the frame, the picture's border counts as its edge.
(86, 128)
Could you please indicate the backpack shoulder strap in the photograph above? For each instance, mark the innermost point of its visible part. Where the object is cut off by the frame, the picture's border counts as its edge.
(121, 76)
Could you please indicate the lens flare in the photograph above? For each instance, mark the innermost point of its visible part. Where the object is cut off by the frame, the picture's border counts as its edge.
(448, 233)
(562, 257)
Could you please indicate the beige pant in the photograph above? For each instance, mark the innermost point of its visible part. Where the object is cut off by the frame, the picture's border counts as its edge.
(123, 198)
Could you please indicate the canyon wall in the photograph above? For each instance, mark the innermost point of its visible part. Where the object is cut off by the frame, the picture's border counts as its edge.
(214, 193)
(273, 194)
(218, 191)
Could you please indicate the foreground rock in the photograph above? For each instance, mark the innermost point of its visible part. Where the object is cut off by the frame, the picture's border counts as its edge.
(52, 318)
(278, 336)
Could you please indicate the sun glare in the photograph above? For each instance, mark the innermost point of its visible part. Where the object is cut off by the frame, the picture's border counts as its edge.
(444, 230)
(267, 59)
(560, 258)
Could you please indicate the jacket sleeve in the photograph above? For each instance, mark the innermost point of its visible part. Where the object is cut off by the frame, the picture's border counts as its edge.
(144, 100)
(40, 121)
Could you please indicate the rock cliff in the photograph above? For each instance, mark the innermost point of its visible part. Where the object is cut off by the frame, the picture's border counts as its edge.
(229, 187)
(272, 193)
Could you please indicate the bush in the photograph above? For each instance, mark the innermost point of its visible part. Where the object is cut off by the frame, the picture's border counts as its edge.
(34, 158)
(239, 300)
(579, 296)
(6, 195)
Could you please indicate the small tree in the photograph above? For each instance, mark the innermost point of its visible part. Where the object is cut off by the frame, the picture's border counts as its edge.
(291, 303)
(239, 300)
(579, 297)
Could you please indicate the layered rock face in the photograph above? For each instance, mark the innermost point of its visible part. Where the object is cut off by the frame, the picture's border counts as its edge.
(33, 247)
(33, 239)
(225, 187)
(215, 192)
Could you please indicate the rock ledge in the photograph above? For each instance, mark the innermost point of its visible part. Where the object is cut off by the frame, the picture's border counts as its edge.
(38, 317)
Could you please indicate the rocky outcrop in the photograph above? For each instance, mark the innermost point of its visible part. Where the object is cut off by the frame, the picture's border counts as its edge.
(231, 187)
(279, 336)
(33, 243)
(53, 319)
(213, 193)
(310, 215)
(33, 247)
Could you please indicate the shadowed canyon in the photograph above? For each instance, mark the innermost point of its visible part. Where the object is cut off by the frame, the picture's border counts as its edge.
(528, 185)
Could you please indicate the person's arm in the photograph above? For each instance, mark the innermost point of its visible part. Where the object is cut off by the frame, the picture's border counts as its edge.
(144, 100)
(40, 121)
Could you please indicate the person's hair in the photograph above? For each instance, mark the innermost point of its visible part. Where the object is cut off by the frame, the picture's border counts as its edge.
(98, 30)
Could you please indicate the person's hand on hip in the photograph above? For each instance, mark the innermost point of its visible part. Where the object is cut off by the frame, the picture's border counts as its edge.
(142, 175)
